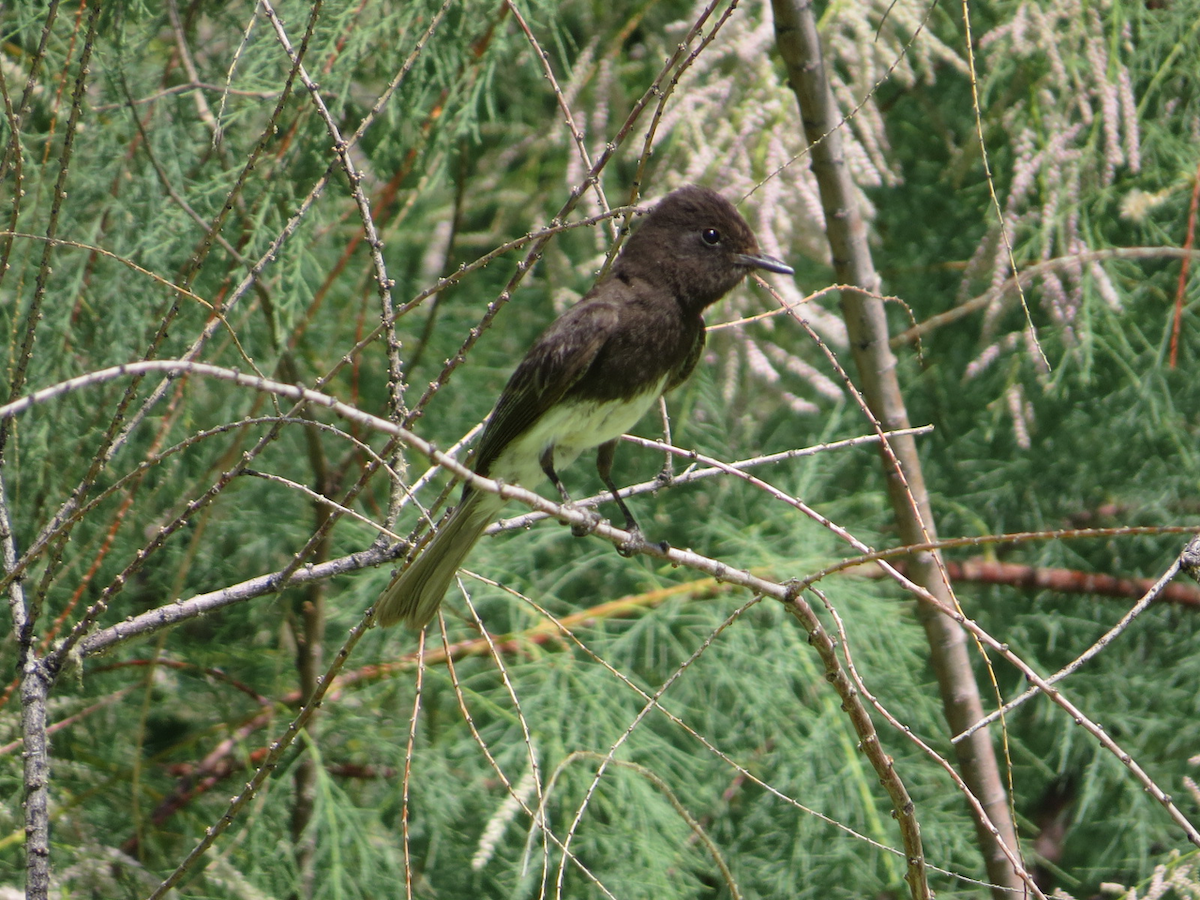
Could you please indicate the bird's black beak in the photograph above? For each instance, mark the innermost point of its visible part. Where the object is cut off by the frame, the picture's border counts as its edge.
(770, 263)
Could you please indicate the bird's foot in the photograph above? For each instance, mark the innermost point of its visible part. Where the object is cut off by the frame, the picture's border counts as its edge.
(583, 529)
(637, 543)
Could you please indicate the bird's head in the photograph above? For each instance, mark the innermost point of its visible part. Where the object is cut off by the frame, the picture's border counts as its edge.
(698, 244)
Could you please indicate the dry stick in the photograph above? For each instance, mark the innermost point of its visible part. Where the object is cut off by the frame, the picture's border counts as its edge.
(189, 65)
(568, 117)
(1027, 275)
(866, 323)
(140, 626)
(185, 89)
(406, 781)
(35, 691)
(36, 678)
(275, 754)
(534, 768)
(976, 108)
(1107, 638)
(924, 747)
(539, 815)
(692, 474)
(569, 515)
(869, 744)
(342, 148)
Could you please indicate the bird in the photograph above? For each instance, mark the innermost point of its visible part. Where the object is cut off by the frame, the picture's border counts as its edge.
(589, 377)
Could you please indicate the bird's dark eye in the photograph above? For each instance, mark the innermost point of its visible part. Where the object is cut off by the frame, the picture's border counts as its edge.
(711, 236)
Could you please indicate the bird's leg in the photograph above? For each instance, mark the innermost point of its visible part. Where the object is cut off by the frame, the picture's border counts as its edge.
(547, 463)
(604, 461)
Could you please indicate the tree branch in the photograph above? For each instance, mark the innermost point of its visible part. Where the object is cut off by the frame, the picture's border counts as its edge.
(866, 324)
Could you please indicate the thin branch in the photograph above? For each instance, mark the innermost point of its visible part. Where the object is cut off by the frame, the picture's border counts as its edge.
(866, 324)
(699, 474)
(976, 108)
(1189, 242)
(571, 515)
(341, 148)
(1074, 665)
(1029, 274)
(185, 89)
(938, 759)
(568, 117)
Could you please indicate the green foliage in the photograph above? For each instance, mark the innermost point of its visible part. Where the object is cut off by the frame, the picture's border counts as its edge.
(176, 194)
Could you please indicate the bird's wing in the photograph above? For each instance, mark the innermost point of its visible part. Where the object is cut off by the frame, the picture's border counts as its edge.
(552, 366)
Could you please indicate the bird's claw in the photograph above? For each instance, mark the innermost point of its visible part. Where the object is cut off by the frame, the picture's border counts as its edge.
(637, 543)
(583, 529)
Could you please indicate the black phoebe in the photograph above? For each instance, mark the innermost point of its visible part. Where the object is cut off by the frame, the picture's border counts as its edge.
(593, 373)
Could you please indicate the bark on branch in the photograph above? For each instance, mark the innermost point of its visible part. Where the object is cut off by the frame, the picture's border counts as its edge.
(800, 47)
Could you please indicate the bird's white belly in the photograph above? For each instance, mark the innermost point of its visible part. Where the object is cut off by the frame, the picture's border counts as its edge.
(570, 428)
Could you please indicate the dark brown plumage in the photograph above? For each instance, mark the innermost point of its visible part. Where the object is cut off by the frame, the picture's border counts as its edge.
(593, 373)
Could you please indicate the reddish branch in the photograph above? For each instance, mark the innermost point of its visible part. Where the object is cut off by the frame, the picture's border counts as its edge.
(1064, 581)
(1188, 244)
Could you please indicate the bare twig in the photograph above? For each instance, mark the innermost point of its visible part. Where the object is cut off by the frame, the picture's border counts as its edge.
(980, 812)
(1029, 274)
(866, 323)
(1006, 239)
(1103, 641)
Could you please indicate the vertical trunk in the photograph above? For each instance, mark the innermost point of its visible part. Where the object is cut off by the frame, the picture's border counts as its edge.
(35, 688)
(866, 324)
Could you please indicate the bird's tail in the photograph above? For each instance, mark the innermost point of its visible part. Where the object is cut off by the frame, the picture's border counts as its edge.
(415, 594)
